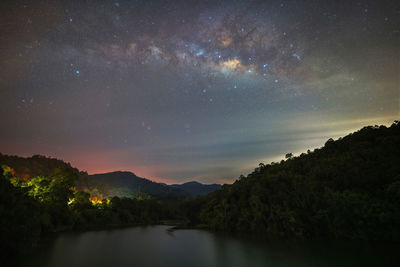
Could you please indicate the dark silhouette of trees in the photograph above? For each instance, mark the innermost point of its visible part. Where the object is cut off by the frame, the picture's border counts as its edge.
(20, 226)
(288, 155)
(350, 188)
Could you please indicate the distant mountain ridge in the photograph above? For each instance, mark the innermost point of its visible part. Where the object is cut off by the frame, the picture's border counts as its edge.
(195, 188)
(127, 184)
(124, 183)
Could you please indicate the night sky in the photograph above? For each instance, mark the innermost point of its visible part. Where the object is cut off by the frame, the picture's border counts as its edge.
(192, 90)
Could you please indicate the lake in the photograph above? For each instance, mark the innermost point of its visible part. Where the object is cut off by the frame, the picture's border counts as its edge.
(155, 246)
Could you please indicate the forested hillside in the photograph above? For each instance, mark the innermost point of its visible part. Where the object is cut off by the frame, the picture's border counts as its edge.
(38, 196)
(350, 188)
(34, 166)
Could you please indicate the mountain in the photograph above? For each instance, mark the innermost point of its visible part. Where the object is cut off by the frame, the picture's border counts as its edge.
(195, 188)
(348, 189)
(123, 183)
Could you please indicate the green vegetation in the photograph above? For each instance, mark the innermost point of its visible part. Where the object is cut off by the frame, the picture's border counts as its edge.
(32, 206)
(349, 189)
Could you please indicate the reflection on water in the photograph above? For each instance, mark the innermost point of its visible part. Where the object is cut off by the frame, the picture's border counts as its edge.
(155, 246)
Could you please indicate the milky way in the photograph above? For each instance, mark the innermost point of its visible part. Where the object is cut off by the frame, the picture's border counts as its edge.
(183, 90)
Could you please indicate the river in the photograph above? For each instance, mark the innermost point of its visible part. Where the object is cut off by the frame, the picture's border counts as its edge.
(155, 246)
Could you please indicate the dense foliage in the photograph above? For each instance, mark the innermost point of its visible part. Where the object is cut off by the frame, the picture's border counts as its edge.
(31, 206)
(36, 165)
(350, 188)
(19, 219)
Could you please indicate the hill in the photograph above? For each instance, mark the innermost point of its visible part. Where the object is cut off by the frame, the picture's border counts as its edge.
(35, 166)
(127, 184)
(195, 189)
(122, 183)
(350, 188)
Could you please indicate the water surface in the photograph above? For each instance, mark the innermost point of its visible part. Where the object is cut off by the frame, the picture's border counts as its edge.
(155, 246)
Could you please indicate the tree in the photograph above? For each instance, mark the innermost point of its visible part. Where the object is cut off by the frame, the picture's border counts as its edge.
(288, 155)
(19, 224)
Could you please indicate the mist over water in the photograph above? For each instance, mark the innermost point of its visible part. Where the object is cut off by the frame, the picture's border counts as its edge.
(155, 246)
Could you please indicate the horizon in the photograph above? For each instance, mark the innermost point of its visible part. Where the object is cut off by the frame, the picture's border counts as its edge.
(171, 182)
(192, 90)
